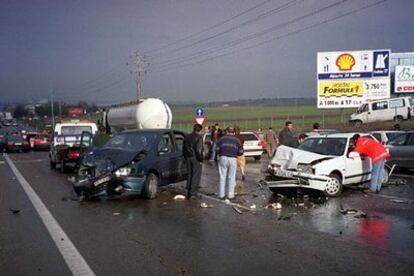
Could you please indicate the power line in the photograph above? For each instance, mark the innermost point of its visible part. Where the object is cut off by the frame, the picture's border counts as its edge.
(250, 21)
(208, 28)
(278, 37)
(248, 37)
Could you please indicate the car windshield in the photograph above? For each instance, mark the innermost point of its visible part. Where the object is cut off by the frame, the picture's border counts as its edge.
(75, 130)
(15, 139)
(250, 137)
(132, 141)
(391, 135)
(325, 146)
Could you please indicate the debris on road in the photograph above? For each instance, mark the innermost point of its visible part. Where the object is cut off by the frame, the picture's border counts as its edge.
(274, 205)
(361, 215)
(116, 214)
(253, 207)
(14, 211)
(237, 210)
(205, 205)
(348, 211)
(179, 197)
(400, 201)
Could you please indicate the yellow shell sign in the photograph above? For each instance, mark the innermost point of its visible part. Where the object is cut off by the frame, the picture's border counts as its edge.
(345, 62)
(341, 89)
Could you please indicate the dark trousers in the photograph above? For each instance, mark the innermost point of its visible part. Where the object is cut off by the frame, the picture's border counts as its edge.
(194, 175)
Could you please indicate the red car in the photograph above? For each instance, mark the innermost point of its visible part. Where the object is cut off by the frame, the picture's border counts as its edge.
(40, 142)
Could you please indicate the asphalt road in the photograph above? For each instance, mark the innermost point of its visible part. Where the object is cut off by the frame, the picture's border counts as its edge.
(133, 236)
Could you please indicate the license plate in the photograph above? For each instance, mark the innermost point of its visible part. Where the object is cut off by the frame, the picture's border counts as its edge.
(283, 173)
(101, 181)
(18, 144)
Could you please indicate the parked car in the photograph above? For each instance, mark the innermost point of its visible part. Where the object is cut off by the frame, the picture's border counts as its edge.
(323, 163)
(15, 143)
(401, 148)
(40, 142)
(396, 109)
(322, 131)
(384, 135)
(134, 161)
(2, 142)
(207, 145)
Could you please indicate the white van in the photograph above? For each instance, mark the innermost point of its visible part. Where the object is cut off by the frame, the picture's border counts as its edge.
(396, 109)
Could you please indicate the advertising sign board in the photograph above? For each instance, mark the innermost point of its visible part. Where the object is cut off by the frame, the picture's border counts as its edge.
(350, 78)
(404, 79)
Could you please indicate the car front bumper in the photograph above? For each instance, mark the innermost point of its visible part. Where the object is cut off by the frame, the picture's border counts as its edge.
(296, 179)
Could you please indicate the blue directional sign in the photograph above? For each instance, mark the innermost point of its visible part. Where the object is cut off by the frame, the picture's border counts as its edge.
(199, 111)
(381, 63)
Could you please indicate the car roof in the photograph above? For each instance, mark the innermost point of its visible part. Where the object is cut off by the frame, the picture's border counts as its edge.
(340, 135)
(387, 131)
(149, 130)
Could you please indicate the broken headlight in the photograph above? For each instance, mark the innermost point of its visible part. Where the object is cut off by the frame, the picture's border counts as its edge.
(305, 168)
(125, 171)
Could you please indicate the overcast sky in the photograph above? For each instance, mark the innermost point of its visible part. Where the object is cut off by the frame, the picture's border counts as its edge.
(192, 50)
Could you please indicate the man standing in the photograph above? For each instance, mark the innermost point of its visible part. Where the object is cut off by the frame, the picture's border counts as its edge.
(286, 136)
(215, 136)
(270, 139)
(193, 154)
(228, 148)
(378, 153)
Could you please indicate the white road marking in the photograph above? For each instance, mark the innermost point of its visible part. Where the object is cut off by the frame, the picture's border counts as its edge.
(2, 162)
(71, 255)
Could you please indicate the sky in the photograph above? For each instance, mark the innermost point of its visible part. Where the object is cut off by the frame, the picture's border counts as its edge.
(190, 50)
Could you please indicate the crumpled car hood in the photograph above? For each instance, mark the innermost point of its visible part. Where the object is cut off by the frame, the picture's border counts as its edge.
(288, 158)
(117, 157)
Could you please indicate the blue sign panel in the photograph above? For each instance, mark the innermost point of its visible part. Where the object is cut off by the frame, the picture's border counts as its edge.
(199, 111)
(336, 76)
(381, 63)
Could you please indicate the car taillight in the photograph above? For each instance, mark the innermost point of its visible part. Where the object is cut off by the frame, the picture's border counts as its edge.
(10, 144)
(73, 154)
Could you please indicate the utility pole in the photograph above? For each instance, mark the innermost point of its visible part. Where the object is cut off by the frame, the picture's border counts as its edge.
(60, 110)
(53, 113)
(138, 74)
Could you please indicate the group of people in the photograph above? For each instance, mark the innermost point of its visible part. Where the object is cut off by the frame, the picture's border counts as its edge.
(228, 145)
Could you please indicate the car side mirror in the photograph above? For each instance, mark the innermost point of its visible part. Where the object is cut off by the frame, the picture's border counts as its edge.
(353, 155)
(164, 150)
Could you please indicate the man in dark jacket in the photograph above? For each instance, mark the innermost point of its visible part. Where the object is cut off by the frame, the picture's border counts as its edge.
(193, 154)
(286, 136)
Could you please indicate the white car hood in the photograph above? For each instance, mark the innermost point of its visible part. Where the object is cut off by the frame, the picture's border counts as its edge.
(288, 158)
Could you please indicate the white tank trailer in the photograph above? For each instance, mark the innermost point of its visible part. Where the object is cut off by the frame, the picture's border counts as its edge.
(148, 113)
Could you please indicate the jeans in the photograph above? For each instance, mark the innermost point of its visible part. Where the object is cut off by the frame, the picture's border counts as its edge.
(213, 151)
(227, 170)
(377, 175)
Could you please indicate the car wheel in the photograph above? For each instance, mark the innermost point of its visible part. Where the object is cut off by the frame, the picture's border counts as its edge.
(257, 158)
(333, 186)
(52, 165)
(386, 175)
(398, 119)
(357, 123)
(151, 186)
(63, 166)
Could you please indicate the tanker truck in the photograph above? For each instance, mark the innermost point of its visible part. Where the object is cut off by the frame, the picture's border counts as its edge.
(147, 113)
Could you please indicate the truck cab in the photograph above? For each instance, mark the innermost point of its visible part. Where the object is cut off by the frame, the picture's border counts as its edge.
(65, 147)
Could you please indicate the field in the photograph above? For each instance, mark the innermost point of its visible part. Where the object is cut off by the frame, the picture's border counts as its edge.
(253, 117)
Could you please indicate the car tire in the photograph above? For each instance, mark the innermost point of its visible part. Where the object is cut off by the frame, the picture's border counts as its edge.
(257, 158)
(62, 166)
(357, 123)
(386, 176)
(334, 186)
(52, 165)
(398, 119)
(151, 186)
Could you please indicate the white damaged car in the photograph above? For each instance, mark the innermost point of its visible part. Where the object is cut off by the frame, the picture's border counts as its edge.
(323, 163)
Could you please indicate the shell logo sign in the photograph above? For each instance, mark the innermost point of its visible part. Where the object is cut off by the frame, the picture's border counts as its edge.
(345, 62)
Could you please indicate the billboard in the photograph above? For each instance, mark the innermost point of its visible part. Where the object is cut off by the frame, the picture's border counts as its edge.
(75, 111)
(404, 79)
(350, 78)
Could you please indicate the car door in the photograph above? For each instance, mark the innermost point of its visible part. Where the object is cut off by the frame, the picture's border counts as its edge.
(406, 152)
(179, 161)
(357, 168)
(165, 158)
(396, 149)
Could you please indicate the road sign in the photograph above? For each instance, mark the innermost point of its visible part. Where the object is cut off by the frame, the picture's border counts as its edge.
(199, 112)
(199, 119)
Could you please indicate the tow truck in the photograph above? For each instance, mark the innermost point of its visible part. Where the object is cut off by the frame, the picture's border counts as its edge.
(65, 147)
